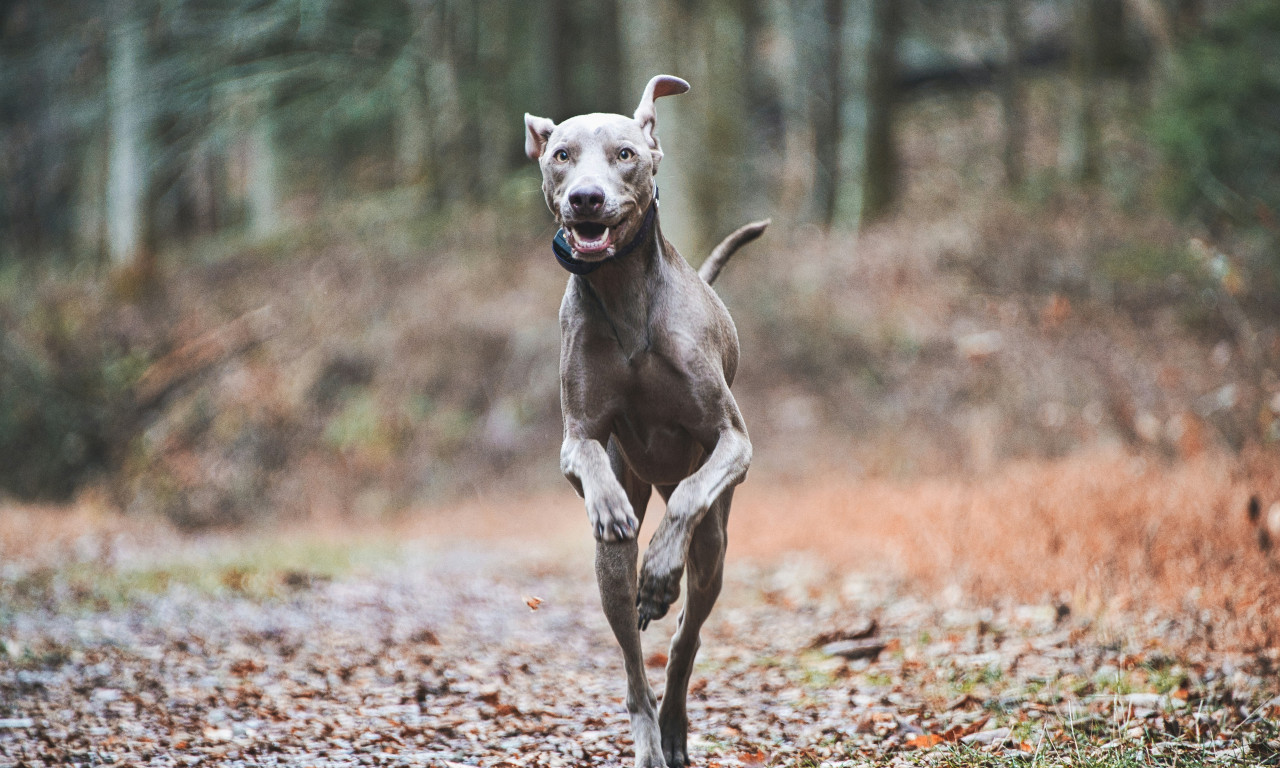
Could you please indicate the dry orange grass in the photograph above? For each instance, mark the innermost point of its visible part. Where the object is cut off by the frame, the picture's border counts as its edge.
(1110, 534)
(1101, 532)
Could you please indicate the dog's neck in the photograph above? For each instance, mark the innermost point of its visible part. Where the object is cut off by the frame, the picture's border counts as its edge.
(624, 289)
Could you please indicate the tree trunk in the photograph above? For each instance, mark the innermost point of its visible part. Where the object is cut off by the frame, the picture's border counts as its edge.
(443, 106)
(411, 135)
(561, 26)
(608, 95)
(826, 107)
(1107, 28)
(716, 180)
(1012, 98)
(586, 58)
(471, 172)
(1078, 148)
(1187, 15)
(263, 181)
(880, 152)
(763, 113)
(412, 120)
(91, 200)
(127, 153)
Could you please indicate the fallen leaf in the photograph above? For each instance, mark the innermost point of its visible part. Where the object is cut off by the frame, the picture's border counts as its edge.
(965, 700)
(952, 735)
(657, 659)
(925, 740)
(246, 667)
(533, 602)
(425, 636)
(753, 759)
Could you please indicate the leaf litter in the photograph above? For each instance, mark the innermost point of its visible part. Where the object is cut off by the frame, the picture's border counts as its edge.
(439, 656)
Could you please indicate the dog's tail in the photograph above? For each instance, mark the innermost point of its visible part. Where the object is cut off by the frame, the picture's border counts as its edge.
(710, 268)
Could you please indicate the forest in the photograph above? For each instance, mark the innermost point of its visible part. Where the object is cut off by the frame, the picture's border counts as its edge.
(154, 150)
(278, 331)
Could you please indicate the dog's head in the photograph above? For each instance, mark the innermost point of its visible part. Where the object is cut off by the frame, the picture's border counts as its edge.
(598, 169)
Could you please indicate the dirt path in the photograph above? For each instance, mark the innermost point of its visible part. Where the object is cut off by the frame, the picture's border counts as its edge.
(364, 650)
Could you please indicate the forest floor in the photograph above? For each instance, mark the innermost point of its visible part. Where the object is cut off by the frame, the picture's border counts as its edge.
(473, 637)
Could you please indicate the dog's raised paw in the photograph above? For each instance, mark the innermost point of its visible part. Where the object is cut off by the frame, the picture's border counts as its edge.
(656, 593)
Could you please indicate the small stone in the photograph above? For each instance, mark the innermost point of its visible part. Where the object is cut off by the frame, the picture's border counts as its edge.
(854, 649)
(993, 736)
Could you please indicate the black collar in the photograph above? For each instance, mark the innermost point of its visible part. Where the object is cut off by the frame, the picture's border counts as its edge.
(564, 253)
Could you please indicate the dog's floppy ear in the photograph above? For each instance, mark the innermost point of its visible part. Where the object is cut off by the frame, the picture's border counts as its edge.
(537, 132)
(646, 116)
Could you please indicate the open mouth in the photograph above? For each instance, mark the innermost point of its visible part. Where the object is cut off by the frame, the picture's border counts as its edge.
(590, 237)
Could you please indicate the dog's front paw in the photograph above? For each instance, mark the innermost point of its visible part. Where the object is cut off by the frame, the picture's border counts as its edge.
(659, 587)
(611, 517)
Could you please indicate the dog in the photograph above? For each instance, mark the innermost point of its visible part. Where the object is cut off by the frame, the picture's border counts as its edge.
(648, 352)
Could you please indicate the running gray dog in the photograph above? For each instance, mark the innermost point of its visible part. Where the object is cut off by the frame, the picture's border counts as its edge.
(647, 354)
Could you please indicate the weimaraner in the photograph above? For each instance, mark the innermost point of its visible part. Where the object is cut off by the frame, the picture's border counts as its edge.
(647, 354)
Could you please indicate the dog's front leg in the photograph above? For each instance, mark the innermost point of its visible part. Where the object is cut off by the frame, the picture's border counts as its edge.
(585, 463)
(616, 575)
(664, 560)
(597, 475)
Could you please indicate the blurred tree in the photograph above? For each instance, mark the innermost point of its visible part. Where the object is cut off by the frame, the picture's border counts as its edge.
(764, 113)
(128, 157)
(261, 161)
(181, 116)
(880, 152)
(585, 58)
(49, 95)
(1219, 122)
(1098, 48)
(1107, 28)
(1187, 17)
(1078, 148)
(413, 118)
(825, 54)
(1009, 86)
(254, 114)
(720, 115)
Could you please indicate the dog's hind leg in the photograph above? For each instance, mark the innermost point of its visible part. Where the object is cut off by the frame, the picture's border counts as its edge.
(616, 575)
(705, 566)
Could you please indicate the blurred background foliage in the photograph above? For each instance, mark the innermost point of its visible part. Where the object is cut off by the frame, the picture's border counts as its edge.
(286, 257)
(1218, 122)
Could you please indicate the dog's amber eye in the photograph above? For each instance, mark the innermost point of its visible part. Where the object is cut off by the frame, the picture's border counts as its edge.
(626, 154)
(562, 155)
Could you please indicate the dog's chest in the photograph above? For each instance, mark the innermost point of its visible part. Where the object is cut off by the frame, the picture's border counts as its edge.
(652, 421)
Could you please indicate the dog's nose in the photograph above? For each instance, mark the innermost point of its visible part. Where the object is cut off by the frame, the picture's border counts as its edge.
(586, 201)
